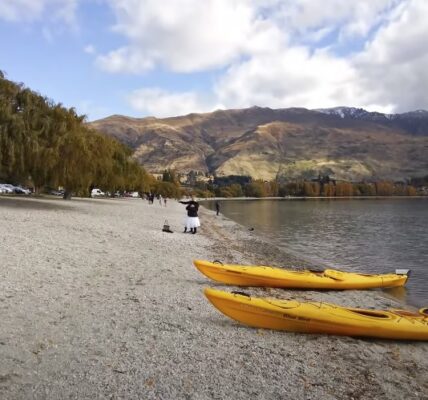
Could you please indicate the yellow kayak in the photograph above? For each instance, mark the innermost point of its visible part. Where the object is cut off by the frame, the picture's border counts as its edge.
(314, 317)
(240, 275)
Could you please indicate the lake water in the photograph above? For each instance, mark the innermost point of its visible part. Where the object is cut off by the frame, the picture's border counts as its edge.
(373, 236)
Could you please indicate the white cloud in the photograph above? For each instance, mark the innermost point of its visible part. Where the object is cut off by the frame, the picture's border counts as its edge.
(160, 103)
(351, 18)
(294, 77)
(89, 49)
(393, 67)
(187, 35)
(194, 35)
(125, 59)
(33, 10)
(261, 51)
(264, 51)
(388, 75)
(21, 9)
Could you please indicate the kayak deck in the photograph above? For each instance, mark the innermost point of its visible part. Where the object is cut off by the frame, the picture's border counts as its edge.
(264, 276)
(317, 317)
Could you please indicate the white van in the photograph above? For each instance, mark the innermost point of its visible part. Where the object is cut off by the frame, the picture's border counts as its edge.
(97, 192)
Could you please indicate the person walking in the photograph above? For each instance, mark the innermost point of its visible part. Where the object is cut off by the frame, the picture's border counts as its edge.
(217, 208)
(192, 221)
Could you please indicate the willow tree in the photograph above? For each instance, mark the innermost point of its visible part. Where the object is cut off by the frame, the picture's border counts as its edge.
(110, 163)
(52, 146)
(23, 119)
(74, 166)
(11, 127)
(39, 132)
(136, 177)
(46, 153)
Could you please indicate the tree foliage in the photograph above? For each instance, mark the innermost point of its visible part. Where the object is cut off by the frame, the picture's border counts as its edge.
(319, 188)
(169, 175)
(44, 144)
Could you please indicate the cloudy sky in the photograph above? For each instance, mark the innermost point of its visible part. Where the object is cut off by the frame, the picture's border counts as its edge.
(173, 57)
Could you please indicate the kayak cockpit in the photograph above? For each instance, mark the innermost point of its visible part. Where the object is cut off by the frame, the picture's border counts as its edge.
(370, 313)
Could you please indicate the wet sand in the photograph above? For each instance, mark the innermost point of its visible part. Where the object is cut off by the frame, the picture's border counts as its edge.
(97, 302)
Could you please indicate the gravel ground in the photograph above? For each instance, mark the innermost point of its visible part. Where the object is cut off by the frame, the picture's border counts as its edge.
(96, 302)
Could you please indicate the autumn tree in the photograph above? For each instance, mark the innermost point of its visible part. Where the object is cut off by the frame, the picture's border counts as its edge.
(384, 188)
(344, 189)
(256, 189)
(328, 190)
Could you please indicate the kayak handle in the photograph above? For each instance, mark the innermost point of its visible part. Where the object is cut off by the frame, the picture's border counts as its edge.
(403, 272)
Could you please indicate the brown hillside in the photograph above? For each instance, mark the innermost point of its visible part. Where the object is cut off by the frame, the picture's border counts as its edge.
(264, 143)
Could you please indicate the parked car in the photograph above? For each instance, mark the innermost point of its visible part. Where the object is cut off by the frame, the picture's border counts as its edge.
(57, 192)
(21, 190)
(97, 192)
(5, 190)
(10, 189)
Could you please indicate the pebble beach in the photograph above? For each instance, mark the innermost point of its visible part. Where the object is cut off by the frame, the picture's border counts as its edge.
(96, 302)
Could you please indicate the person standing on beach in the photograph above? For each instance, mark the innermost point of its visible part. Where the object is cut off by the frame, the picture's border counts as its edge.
(192, 221)
(217, 207)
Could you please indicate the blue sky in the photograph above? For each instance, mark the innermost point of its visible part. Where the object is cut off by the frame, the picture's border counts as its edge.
(146, 57)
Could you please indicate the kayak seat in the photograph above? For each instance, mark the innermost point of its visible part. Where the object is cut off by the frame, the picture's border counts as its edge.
(333, 274)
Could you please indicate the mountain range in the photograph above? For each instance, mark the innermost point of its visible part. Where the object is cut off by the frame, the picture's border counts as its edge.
(292, 143)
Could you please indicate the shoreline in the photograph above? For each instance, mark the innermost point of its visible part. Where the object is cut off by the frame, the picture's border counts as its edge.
(262, 249)
(407, 298)
(98, 302)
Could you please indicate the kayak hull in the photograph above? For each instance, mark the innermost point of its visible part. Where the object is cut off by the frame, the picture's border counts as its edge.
(263, 276)
(320, 318)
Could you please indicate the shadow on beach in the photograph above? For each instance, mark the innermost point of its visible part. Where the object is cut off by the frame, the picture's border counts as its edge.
(34, 204)
(100, 200)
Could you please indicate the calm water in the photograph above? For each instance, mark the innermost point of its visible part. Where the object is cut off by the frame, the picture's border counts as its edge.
(373, 236)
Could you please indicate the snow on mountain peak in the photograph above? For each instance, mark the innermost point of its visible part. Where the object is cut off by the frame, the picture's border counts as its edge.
(343, 112)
